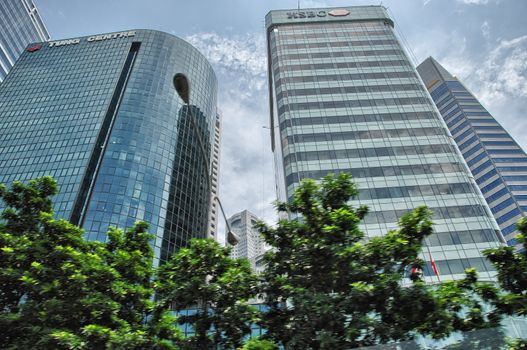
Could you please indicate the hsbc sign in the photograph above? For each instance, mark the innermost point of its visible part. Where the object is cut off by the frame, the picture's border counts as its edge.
(314, 14)
(305, 14)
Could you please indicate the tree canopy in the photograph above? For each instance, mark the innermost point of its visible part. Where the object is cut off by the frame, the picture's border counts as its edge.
(327, 285)
(59, 291)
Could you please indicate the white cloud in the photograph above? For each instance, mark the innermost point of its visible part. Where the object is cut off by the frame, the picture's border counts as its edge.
(246, 169)
(485, 30)
(504, 72)
(241, 53)
(474, 2)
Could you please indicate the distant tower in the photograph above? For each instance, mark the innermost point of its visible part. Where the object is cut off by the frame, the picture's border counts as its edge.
(20, 25)
(496, 161)
(215, 170)
(250, 244)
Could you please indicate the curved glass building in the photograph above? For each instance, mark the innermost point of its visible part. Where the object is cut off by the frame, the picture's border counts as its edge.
(100, 115)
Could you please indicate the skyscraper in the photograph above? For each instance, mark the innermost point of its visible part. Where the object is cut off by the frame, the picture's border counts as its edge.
(215, 171)
(496, 161)
(250, 244)
(100, 114)
(345, 97)
(20, 24)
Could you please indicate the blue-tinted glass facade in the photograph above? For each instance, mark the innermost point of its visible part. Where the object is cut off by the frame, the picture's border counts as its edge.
(20, 24)
(345, 97)
(101, 116)
(496, 161)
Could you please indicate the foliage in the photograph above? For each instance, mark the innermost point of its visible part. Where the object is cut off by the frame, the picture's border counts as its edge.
(203, 277)
(330, 288)
(512, 273)
(259, 344)
(59, 291)
(326, 285)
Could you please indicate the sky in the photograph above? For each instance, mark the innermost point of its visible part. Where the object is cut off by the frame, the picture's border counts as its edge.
(482, 42)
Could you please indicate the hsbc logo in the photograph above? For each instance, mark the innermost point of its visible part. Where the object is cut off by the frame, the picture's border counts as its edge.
(339, 13)
(314, 14)
(306, 14)
(34, 48)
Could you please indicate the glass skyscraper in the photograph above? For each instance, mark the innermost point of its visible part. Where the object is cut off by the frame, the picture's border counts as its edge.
(20, 24)
(496, 161)
(100, 115)
(344, 97)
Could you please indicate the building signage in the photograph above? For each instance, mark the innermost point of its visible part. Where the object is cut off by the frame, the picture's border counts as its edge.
(339, 13)
(306, 14)
(92, 38)
(313, 14)
(34, 48)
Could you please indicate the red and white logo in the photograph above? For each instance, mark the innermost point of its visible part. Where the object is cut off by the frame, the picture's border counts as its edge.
(34, 48)
(339, 13)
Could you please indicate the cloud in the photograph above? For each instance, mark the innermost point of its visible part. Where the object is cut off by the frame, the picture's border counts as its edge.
(237, 53)
(485, 30)
(474, 2)
(246, 169)
(504, 73)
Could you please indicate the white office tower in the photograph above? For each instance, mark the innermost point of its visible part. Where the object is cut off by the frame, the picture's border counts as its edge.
(250, 244)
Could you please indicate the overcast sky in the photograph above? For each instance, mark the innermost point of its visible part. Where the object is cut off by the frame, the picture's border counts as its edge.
(482, 42)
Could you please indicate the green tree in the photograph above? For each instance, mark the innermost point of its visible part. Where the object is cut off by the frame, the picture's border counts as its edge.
(204, 278)
(59, 291)
(330, 288)
(259, 344)
(511, 265)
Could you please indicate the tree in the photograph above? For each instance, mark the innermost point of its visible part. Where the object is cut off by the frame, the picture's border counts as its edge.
(511, 266)
(259, 344)
(59, 291)
(329, 288)
(204, 278)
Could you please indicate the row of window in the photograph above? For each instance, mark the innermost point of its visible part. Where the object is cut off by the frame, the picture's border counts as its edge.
(462, 237)
(492, 185)
(343, 77)
(497, 195)
(330, 44)
(363, 135)
(477, 147)
(385, 171)
(502, 205)
(454, 212)
(338, 33)
(302, 106)
(458, 266)
(487, 176)
(348, 90)
(367, 152)
(476, 159)
(339, 54)
(507, 216)
(415, 191)
(337, 65)
(351, 119)
(443, 88)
